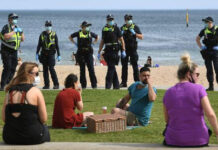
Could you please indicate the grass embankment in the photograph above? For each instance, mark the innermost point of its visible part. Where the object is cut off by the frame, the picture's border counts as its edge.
(94, 100)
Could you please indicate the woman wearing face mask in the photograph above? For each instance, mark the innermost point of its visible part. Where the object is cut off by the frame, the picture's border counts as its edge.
(184, 107)
(209, 49)
(48, 45)
(67, 101)
(85, 53)
(24, 110)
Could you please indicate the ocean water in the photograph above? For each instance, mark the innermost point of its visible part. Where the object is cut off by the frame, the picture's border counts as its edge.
(166, 36)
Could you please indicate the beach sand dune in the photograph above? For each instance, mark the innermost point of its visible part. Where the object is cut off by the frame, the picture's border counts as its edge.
(162, 77)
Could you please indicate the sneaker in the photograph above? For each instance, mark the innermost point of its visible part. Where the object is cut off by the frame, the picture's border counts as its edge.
(45, 87)
(56, 87)
(122, 85)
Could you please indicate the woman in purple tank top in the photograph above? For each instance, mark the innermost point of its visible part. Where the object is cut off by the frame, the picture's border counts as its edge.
(184, 107)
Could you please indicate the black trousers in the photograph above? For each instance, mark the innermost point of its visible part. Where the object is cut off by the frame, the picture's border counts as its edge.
(211, 61)
(86, 59)
(48, 62)
(112, 58)
(9, 60)
(133, 56)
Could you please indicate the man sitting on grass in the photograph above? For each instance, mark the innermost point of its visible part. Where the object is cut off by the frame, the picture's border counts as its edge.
(143, 95)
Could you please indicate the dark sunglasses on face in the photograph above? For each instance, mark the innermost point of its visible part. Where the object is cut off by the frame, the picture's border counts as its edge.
(14, 17)
(197, 74)
(35, 73)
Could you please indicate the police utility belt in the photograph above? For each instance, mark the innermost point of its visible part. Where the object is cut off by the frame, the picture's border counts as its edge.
(112, 46)
(46, 51)
(85, 48)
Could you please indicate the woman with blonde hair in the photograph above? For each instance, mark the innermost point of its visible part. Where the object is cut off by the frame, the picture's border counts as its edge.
(184, 107)
(24, 110)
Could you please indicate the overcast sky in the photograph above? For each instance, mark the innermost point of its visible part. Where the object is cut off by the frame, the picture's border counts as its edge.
(107, 4)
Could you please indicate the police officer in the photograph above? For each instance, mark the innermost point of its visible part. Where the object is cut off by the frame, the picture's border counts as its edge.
(209, 49)
(48, 44)
(11, 37)
(111, 35)
(130, 32)
(85, 53)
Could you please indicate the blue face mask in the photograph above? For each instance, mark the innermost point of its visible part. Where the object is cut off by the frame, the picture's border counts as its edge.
(129, 22)
(87, 29)
(14, 21)
(111, 23)
(48, 28)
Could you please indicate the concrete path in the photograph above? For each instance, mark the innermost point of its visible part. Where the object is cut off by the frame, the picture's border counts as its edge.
(95, 146)
(103, 88)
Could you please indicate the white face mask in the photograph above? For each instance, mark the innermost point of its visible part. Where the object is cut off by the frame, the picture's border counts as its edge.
(36, 81)
(14, 21)
(49, 28)
(129, 22)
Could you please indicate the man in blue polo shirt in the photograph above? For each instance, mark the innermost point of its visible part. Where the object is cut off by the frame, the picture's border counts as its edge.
(143, 95)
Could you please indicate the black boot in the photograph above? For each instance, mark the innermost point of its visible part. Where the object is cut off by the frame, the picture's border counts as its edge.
(56, 87)
(45, 87)
(123, 85)
(211, 88)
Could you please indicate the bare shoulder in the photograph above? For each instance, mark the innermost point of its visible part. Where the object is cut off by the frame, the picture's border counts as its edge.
(35, 91)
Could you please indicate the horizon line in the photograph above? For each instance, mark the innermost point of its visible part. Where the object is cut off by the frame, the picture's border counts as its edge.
(106, 9)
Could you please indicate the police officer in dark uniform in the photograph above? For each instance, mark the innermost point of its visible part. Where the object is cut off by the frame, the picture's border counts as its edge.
(111, 35)
(209, 50)
(85, 53)
(48, 44)
(130, 32)
(11, 36)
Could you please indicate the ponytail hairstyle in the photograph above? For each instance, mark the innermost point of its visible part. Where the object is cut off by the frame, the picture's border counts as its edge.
(186, 66)
(70, 81)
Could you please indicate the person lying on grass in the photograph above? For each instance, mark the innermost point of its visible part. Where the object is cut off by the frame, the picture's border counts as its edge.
(143, 95)
(66, 102)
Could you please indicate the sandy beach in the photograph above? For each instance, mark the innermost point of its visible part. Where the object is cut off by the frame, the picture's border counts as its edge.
(162, 77)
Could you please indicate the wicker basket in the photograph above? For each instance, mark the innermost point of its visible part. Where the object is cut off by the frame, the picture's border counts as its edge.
(106, 123)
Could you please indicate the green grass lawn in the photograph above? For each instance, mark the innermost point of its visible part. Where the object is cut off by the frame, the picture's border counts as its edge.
(94, 100)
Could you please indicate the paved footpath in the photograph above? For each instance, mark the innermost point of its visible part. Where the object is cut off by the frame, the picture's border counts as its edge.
(103, 88)
(95, 146)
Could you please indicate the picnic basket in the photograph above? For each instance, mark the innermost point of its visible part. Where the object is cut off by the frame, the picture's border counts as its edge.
(106, 123)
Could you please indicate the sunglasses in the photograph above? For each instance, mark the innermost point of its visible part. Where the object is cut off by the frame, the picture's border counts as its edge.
(35, 73)
(14, 17)
(197, 74)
